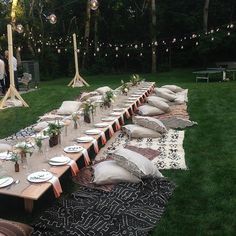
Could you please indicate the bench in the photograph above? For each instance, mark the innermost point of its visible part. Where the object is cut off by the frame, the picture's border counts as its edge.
(202, 78)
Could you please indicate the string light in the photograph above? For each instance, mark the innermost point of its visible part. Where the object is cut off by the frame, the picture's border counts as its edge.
(94, 5)
(52, 19)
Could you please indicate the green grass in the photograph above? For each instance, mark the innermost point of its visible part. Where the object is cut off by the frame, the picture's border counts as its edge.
(204, 202)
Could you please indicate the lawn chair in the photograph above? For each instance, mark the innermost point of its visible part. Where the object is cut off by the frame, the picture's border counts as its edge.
(25, 80)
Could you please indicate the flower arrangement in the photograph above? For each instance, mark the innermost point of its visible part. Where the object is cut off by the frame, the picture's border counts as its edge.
(38, 142)
(88, 109)
(108, 98)
(135, 79)
(75, 118)
(124, 87)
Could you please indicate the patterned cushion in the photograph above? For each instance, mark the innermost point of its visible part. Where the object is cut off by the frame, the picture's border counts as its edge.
(147, 110)
(135, 163)
(150, 123)
(12, 228)
(109, 172)
(173, 88)
(136, 131)
(163, 94)
(69, 107)
(156, 102)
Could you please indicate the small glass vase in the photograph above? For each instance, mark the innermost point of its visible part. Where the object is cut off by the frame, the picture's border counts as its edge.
(17, 167)
(75, 125)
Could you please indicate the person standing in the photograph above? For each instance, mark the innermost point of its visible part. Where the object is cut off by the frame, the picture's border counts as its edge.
(7, 78)
(2, 74)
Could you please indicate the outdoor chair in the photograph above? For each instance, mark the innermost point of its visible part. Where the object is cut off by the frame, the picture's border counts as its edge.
(25, 80)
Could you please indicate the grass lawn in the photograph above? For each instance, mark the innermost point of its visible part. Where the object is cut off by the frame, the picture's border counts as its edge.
(204, 202)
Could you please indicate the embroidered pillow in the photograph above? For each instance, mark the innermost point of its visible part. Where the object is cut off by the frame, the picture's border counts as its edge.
(135, 163)
(150, 123)
(109, 172)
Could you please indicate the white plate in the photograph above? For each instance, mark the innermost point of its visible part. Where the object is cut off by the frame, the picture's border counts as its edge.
(85, 139)
(93, 131)
(118, 109)
(5, 155)
(5, 181)
(135, 95)
(132, 99)
(73, 149)
(59, 161)
(40, 135)
(115, 114)
(107, 119)
(28, 145)
(39, 177)
(101, 125)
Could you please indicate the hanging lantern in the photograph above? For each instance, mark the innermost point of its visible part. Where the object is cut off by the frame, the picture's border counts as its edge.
(52, 19)
(94, 5)
(20, 28)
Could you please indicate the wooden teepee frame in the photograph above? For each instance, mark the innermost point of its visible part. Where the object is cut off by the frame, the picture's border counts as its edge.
(77, 78)
(12, 92)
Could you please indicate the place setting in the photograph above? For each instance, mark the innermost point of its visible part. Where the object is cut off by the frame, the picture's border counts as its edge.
(5, 155)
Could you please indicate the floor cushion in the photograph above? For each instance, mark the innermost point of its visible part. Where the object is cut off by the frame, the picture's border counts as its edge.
(147, 110)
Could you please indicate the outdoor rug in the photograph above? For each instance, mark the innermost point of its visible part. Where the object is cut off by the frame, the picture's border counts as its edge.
(169, 148)
(130, 209)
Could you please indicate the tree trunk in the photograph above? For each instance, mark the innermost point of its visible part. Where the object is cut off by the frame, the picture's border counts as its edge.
(86, 33)
(153, 35)
(96, 29)
(205, 15)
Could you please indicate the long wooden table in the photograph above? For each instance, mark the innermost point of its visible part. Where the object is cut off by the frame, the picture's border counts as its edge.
(31, 192)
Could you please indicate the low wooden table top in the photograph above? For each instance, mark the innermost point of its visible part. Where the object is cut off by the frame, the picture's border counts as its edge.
(38, 161)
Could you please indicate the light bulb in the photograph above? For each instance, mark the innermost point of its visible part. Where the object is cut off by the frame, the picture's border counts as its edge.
(94, 5)
(20, 28)
(52, 19)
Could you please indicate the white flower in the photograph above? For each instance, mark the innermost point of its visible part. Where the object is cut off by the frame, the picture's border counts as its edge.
(126, 90)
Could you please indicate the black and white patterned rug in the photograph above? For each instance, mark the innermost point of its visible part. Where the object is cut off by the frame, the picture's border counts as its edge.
(130, 209)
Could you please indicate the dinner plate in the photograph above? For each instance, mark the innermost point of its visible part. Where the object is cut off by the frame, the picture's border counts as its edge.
(5, 181)
(115, 114)
(59, 161)
(84, 139)
(108, 119)
(73, 149)
(93, 131)
(39, 177)
(101, 125)
(132, 99)
(118, 109)
(40, 135)
(5, 155)
(135, 95)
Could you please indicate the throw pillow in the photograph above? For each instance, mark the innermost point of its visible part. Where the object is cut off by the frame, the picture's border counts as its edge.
(68, 107)
(156, 102)
(109, 172)
(135, 163)
(147, 110)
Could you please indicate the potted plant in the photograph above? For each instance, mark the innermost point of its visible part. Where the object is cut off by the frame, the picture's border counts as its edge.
(124, 87)
(53, 131)
(88, 108)
(108, 99)
(135, 79)
(15, 158)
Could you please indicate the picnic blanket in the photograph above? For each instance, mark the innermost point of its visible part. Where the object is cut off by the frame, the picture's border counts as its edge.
(130, 209)
(170, 152)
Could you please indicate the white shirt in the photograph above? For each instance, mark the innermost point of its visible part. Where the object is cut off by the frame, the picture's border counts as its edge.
(2, 69)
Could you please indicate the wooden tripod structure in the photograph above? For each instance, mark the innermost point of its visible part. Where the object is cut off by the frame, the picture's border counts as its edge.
(12, 93)
(77, 78)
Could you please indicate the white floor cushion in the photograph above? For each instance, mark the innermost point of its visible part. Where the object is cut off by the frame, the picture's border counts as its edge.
(5, 147)
(69, 107)
(137, 131)
(156, 102)
(135, 163)
(147, 110)
(103, 90)
(109, 172)
(161, 93)
(173, 88)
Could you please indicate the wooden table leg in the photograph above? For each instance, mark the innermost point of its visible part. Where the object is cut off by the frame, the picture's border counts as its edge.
(29, 204)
